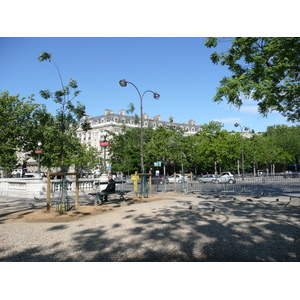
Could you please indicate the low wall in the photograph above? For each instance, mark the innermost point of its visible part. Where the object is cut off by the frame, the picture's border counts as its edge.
(37, 187)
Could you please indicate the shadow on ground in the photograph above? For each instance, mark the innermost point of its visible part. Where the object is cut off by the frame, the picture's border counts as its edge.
(202, 230)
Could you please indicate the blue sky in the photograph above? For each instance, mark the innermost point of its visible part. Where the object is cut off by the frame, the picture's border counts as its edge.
(179, 69)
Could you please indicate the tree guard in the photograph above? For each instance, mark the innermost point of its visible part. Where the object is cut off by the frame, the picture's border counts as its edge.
(63, 189)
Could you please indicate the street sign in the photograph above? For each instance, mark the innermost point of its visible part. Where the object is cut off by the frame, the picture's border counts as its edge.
(157, 164)
(104, 144)
(38, 151)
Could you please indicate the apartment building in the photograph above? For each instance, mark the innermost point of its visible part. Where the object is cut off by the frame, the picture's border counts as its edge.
(113, 122)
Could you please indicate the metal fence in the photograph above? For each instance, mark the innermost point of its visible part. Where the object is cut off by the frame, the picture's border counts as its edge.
(255, 186)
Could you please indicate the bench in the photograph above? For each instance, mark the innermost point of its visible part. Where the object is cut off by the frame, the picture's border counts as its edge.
(106, 182)
(99, 195)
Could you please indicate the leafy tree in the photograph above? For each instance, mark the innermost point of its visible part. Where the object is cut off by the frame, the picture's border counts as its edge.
(265, 69)
(61, 135)
(212, 149)
(196, 154)
(124, 149)
(163, 144)
(166, 145)
(39, 131)
(8, 158)
(292, 146)
(131, 108)
(252, 148)
(218, 148)
(287, 140)
(86, 158)
(18, 117)
(228, 150)
(178, 151)
(271, 153)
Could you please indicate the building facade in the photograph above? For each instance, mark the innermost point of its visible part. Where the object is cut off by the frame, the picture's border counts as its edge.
(114, 122)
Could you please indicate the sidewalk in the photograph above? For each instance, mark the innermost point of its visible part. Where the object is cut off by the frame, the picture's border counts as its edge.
(174, 228)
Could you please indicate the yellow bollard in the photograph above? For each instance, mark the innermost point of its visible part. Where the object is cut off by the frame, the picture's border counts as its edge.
(135, 178)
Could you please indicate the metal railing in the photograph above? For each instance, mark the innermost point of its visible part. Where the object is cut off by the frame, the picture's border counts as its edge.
(262, 185)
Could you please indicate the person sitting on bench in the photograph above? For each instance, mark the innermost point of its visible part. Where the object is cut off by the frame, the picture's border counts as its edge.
(111, 187)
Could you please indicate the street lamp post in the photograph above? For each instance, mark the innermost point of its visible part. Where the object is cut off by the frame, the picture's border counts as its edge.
(39, 151)
(104, 144)
(243, 164)
(156, 96)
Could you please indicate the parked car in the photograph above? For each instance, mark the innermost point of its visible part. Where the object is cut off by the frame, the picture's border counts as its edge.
(225, 177)
(179, 179)
(158, 179)
(196, 177)
(261, 173)
(207, 178)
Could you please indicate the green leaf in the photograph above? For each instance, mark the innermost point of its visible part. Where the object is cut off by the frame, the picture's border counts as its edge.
(211, 42)
(44, 56)
(73, 83)
(46, 94)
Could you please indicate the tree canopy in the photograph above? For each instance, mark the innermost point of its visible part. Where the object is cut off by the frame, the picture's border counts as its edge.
(17, 117)
(265, 69)
(212, 149)
(62, 131)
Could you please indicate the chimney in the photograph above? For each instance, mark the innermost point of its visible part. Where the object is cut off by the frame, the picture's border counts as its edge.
(108, 112)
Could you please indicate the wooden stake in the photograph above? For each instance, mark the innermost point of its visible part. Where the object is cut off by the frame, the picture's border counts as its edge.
(48, 191)
(77, 190)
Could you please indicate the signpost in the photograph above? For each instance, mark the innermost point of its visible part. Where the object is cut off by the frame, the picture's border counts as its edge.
(39, 152)
(104, 144)
(157, 164)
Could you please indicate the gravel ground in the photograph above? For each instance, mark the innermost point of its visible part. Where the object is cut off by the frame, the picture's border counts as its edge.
(174, 228)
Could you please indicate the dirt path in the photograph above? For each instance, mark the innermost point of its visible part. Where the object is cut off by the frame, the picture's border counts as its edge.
(165, 228)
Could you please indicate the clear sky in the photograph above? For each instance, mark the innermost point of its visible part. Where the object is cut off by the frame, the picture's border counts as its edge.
(157, 46)
(178, 68)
